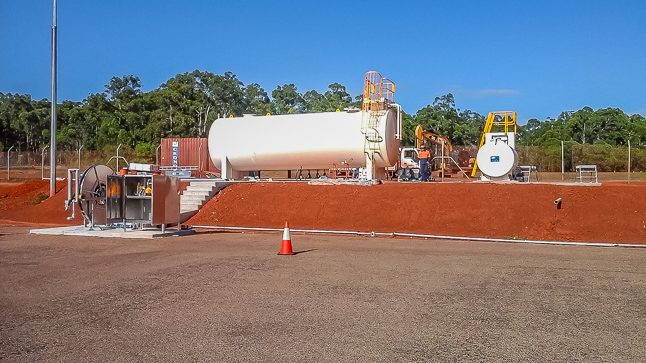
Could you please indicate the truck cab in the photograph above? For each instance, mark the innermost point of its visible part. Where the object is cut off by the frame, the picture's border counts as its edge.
(407, 167)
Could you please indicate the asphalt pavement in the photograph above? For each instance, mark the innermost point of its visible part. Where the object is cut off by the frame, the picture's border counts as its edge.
(228, 297)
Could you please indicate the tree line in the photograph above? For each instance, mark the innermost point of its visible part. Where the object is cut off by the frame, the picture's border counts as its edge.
(186, 105)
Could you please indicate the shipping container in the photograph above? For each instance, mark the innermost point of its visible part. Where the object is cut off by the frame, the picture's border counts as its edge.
(186, 153)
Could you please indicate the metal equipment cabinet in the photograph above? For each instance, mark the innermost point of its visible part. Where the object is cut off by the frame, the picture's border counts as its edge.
(142, 199)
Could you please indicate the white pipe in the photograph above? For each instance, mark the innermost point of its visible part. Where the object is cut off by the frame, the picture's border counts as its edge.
(398, 135)
(157, 154)
(118, 147)
(433, 236)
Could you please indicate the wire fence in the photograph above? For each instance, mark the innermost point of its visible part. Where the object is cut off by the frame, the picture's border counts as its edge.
(546, 159)
(607, 158)
(40, 160)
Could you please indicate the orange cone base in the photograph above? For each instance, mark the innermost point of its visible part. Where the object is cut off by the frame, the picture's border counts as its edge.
(286, 248)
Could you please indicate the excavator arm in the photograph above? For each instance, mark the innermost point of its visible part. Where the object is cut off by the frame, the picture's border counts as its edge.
(424, 138)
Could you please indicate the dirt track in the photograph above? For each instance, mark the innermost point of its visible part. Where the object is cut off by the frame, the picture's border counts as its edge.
(608, 213)
(228, 297)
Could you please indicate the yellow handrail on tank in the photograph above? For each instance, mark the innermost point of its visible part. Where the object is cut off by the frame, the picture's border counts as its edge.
(504, 119)
(378, 92)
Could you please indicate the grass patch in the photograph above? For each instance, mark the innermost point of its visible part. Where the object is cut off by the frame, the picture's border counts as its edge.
(40, 197)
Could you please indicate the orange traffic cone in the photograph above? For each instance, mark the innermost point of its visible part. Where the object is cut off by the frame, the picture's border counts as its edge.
(286, 246)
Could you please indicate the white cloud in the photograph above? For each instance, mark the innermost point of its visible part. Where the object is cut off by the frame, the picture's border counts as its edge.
(495, 92)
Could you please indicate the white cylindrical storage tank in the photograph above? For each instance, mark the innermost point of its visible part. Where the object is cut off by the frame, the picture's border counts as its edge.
(496, 159)
(307, 141)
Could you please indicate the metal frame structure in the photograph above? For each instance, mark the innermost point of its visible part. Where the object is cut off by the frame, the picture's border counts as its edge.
(73, 176)
(586, 173)
(528, 171)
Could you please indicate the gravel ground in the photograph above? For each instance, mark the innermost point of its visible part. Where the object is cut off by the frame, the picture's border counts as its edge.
(228, 298)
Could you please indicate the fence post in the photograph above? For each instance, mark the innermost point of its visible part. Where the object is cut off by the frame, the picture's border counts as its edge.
(628, 161)
(79, 157)
(42, 163)
(9, 161)
(562, 162)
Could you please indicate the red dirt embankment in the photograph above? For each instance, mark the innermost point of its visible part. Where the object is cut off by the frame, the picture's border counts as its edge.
(27, 203)
(608, 213)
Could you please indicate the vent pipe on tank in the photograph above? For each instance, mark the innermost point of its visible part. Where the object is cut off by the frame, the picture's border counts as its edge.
(398, 107)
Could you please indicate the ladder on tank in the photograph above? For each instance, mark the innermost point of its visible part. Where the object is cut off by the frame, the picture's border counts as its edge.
(378, 94)
(370, 130)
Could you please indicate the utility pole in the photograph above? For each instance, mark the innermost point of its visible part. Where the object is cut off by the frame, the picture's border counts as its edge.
(52, 136)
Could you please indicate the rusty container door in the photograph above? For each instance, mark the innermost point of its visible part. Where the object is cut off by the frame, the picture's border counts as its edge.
(186, 152)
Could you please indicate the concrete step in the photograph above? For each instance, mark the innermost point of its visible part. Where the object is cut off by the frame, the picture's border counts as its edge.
(196, 192)
(198, 203)
(200, 188)
(196, 195)
(189, 207)
(203, 182)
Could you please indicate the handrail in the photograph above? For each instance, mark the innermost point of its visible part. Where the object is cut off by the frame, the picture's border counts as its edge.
(378, 92)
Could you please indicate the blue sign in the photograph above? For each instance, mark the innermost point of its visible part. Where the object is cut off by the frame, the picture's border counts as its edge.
(495, 159)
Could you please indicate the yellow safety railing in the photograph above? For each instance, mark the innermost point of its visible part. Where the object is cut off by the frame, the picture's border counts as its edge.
(378, 92)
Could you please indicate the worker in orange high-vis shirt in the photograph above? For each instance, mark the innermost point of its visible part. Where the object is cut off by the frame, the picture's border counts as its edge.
(424, 157)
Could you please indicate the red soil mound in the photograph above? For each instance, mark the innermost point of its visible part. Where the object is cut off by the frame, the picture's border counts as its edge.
(28, 203)
(608, 213)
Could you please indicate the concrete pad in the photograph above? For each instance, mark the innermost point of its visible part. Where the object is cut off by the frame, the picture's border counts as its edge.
(147, 233)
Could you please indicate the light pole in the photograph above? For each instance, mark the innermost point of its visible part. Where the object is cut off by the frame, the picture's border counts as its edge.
(52, 131)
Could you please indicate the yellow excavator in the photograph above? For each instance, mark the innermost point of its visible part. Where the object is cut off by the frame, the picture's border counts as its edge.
(425, 137)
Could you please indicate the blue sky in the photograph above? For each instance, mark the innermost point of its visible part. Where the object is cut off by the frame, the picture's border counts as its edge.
(535, 57)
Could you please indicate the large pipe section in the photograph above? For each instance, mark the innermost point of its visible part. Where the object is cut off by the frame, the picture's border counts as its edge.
(305, 141)
(419, 235)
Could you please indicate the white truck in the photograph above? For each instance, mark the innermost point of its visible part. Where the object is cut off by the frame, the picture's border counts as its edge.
(407, 167)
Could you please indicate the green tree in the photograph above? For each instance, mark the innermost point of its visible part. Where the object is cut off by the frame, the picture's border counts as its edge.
(286, 99)
(256, 100)
(336, 97)
(443, 117)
